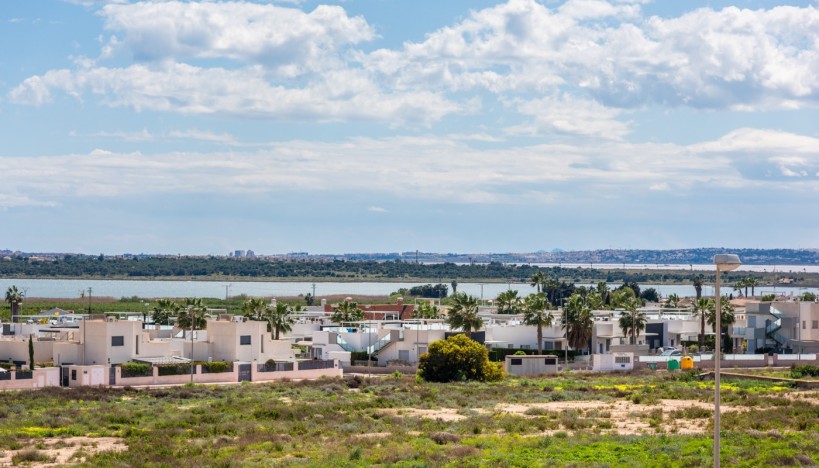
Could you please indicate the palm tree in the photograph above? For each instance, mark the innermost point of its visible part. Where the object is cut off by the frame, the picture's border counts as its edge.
(347, 311)
(536, 312)
(454, 284)
(726, 318)
(698, 282)
(577, 322)
(673, 300)
(426, 310)
(552, 285)
(256, 308)
(464, 314)
(509, 302)
(701, 307)
(603, 291)
(14, 297)
(192, 316)
(280, 318)
(538, 280)
(753, 283)
(164, 310)
(631, 321)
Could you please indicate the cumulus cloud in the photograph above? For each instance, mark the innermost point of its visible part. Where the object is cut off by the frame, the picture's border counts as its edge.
(287, 40)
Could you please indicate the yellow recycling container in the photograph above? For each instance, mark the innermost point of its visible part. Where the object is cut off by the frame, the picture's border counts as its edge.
(687, 363)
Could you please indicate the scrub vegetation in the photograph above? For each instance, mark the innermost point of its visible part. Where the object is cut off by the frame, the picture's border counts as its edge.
(576, 419)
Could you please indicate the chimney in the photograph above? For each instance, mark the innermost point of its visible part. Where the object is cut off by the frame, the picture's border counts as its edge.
(399, 300)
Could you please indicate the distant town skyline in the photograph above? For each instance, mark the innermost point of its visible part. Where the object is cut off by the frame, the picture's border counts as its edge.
(205, 127)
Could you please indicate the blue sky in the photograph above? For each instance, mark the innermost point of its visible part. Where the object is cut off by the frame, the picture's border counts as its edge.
(388, 125)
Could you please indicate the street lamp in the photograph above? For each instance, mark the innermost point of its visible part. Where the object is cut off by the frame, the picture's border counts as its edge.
(723, 262)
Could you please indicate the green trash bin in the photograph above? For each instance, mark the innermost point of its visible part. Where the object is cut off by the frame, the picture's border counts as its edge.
(673, 364)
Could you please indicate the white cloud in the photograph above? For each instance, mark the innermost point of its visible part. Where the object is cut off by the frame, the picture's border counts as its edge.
(287, 40)
(567, 115)
(376, 209)
(409, 168)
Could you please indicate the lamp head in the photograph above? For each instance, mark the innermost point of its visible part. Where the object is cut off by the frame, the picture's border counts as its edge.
(726, 262)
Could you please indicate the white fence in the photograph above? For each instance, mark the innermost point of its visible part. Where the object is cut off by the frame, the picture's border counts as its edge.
(797, 357)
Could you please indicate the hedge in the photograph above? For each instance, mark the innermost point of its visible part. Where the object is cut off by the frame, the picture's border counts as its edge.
(135, 369)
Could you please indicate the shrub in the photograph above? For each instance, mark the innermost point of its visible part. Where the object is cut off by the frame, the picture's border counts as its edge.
(458, 358)
(30, 456)
(216, 367)
(768, 297)
(806, 370)
(135, 369)
(174, 369)
(443, 438)
(520, 352)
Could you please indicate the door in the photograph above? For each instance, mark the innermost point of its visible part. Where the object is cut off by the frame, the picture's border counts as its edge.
(244, 372)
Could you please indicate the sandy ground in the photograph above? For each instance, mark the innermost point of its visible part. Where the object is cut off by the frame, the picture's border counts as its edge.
(66, 451)
(624, 417)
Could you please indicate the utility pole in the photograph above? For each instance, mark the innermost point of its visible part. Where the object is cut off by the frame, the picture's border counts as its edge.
(314, 290)
(89, 300)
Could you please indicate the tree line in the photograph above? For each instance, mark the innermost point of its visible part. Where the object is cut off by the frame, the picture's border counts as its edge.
(205, 267)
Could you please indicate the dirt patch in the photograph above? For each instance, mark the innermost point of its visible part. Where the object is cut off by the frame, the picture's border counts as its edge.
(444, 414)
(66, 451)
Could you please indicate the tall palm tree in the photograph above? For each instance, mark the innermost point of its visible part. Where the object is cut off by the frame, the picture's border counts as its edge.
(256, 308)
(536, 311)
(164, 310)
(698, 282)
(14, 297)
(577, 322)
(552, 285)
(753, 283)
(347, 311)
(192, 315)
(509, 302)
(280, 318)
(632, 322)
(464, 314)
(454, 284)
(701, 307)
(538, 280)
(603, 291)
(726, 318)
(426, 310)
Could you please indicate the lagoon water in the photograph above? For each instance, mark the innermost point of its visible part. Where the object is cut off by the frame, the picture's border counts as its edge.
(70, 288)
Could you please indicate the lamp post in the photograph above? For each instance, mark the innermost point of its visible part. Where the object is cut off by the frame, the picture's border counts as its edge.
(723, 262)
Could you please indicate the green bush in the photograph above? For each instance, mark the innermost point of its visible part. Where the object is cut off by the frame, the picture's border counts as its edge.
(174, 369)
(768, 297)
(216, 367)
(520, 352)
(805, 370)
(135, 369)
(458, 358)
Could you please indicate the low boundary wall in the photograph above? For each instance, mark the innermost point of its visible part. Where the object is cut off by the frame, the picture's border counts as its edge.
(38, 378)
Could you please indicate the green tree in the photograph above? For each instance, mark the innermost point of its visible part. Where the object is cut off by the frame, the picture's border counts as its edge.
(536, 311)
(280, 319)
(753, 283)
(454, 284)
(14, 297)
(727, 318)
(538, 280)
(463, 314)
(347, 311)
(650, 295)
(426, 310)
(672, 300)
(192, 315)
(702, 307)
(577, 322)
(256, 308)
(458, 358)
(807, 296)
(508, 302)
(632, 321)
(698, 281)
(164, 310)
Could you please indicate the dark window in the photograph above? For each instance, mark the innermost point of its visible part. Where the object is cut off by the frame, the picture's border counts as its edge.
(117, 341)
(517, 362)
(244, 340)
(73, 374)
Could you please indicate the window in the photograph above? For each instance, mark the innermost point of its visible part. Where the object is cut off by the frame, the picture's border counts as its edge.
(516, 362)
(244, 340)
(73, 374)
(622, 359)
(117, 341)
(814, 324)
(804, 323)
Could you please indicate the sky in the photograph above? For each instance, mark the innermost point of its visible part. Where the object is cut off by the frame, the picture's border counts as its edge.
(203, 127)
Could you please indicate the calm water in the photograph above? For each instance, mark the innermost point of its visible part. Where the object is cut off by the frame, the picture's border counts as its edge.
(68, 288)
